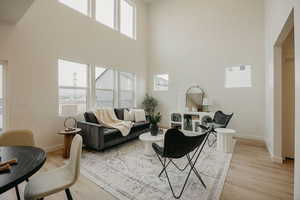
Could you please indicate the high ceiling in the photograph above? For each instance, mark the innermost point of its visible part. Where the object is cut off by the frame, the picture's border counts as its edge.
(11, 11)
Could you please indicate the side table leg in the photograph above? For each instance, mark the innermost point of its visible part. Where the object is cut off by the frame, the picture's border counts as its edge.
(67, 145)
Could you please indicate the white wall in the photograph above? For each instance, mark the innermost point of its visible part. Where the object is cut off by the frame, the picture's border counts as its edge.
(277, 12)
(194, 40)
(48, 31)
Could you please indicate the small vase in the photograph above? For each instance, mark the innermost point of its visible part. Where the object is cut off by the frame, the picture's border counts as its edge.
(153, 129)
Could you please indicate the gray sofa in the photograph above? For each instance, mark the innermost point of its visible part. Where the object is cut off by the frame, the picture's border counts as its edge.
(98, 137)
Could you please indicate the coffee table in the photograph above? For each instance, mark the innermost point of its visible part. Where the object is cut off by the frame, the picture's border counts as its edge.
(148, 139)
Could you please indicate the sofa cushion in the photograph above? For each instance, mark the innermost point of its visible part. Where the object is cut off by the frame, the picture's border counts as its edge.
(90, 117)
(141, 124)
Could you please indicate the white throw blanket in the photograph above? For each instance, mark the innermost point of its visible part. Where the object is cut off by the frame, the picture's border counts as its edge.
(107, 117)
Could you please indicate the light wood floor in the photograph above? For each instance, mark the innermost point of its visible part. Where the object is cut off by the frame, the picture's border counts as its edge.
(252, 176)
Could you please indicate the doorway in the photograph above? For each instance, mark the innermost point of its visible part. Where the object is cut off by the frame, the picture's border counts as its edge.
(284, 93)
(288, 96)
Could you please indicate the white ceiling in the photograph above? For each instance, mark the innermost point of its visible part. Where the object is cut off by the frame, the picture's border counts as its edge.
(11, 11)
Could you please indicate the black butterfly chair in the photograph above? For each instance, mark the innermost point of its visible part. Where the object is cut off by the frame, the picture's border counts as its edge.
(178, 145)
(220, 120)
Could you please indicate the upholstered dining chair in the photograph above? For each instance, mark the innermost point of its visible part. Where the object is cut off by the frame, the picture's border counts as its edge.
(17, 138)
(47, 183)
(177, 145)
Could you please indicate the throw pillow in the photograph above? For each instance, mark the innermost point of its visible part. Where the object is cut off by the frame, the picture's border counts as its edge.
(120, 113)
(128, 115)
(139, 115)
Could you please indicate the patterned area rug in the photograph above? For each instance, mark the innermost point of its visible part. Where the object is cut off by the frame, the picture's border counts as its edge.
(127, 174)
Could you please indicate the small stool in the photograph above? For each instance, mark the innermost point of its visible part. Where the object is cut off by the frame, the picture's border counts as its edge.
(225, 142)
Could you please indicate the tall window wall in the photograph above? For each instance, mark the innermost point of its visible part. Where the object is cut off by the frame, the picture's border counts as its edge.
(107, 88)
(119, 15)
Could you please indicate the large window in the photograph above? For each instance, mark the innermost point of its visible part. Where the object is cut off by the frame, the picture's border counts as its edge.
(117, 14)
(105, 12)
(237, 77)
(126, 90)
(72, 87)
(83, 87)
(79, 5)
(127, 18)
(104, 87)
(161, 82)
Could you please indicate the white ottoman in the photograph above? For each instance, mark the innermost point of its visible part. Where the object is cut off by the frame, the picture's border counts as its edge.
(225, 142)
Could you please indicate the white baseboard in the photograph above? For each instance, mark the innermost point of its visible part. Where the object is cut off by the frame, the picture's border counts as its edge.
(54, 148)
(277, 159)
(253, 137)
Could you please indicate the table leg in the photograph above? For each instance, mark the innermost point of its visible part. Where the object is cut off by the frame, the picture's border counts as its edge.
(68, 138)
(148, 149)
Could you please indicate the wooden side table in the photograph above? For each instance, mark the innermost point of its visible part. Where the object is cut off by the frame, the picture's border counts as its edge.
(68, 138)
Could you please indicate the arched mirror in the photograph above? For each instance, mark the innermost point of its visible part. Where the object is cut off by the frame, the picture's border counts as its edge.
(194, 99)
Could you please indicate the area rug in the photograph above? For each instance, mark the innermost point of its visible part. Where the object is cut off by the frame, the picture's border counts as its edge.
(127, 174)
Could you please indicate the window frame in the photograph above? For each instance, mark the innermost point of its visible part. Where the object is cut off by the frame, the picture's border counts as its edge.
(227, 84)
(133, 5)
(5, 118)
(88, 11)
(91, 12)
(155, 85)
(88, 94)
(133, 90)
(95, 89)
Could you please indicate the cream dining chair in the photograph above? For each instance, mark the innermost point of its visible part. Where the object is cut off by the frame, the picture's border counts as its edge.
(47, 183)
(17, 138)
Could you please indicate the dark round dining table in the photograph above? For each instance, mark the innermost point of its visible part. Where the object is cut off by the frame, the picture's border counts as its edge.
(30, 160)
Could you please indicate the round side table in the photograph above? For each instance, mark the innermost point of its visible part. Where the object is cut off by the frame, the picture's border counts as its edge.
(68, 138)
(148, 139)
(224, 139)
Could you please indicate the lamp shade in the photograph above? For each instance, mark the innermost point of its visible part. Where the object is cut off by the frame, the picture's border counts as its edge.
(206, 102)
(69, 110)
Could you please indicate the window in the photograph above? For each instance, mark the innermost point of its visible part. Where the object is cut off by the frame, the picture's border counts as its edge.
(239, 76)
(79, 5)
(105, 12)
(116, 14)
(104, 87)
(2, 102)
(127, 18)
(127, 90)
(161, 82)
(72, 87)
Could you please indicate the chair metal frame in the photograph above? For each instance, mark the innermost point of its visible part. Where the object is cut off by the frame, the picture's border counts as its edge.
(192, 160)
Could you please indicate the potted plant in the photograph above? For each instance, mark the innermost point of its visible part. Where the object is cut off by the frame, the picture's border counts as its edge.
(149, 104)
(154, 119)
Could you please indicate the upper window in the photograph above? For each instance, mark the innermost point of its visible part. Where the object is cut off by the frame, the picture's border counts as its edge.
(116, 14)
(79, 5)
(127, 90)
(127, 18)
(161, 82)
(105, 12)
(104, 87)
(239, 76)
(72, 79)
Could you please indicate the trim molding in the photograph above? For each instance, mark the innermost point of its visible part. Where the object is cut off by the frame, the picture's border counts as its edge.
(277, 159)
(54, 148)
(253, 137)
